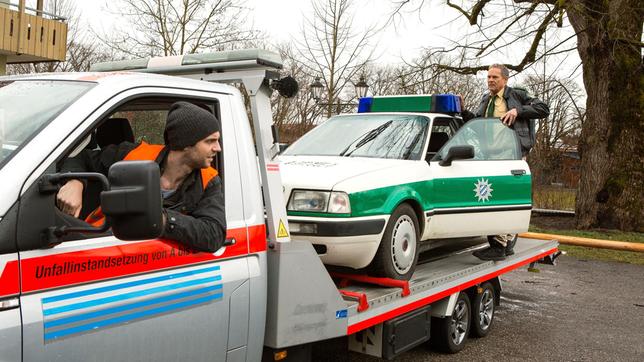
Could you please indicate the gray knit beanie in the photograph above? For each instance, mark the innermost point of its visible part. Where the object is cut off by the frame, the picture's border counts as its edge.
(188, 124)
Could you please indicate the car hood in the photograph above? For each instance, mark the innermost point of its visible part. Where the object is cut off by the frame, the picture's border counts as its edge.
(325, 172)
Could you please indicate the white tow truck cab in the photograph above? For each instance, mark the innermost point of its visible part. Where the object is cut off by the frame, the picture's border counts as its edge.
(70, 293)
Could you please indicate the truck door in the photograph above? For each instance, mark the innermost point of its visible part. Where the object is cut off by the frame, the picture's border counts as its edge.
(489, 194)
(100, 298)
(10, 329)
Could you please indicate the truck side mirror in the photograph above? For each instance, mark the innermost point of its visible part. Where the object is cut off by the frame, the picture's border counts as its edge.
(133, 203)
(457, 153)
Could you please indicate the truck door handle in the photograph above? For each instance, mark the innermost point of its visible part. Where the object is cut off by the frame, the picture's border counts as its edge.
(230, 242)
(518, 172)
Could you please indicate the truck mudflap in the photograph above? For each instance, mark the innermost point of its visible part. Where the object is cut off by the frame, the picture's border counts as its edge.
(438, 279)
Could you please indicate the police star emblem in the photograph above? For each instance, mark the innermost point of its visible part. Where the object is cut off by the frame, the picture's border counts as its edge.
(483, 190)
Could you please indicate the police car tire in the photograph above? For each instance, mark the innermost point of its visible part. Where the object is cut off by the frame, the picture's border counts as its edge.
(487, 296)
(382, 264)
(441, 334)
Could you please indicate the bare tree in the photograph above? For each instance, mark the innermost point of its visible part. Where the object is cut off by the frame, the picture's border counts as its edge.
(558, 134)
(174, 27)
(295, 116)
(607, 36)
(82, 50)
(332, 49)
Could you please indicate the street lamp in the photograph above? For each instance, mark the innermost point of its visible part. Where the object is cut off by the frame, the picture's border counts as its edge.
(317, 88)
(361, 88)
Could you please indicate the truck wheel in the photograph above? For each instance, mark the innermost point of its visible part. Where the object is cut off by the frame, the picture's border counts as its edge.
(398, 251)
(483, 311)
(449, 334)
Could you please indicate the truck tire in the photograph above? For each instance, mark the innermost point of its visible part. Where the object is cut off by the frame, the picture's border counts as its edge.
(449, 334)
(398, 251)
(483, 310)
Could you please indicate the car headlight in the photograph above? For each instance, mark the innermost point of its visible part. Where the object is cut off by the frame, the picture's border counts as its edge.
(307, 200)
(339, 203)
(319, 201)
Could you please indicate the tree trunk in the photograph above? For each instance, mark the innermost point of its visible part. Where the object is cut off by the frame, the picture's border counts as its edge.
(611, 145)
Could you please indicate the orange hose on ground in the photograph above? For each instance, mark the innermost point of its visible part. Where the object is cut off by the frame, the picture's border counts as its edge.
(592, 243)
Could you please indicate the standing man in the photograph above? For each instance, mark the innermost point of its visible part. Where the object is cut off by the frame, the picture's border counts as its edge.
(193, 202)
(517, 110)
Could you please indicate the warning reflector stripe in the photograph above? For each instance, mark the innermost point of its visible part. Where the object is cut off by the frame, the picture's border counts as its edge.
(273, 167)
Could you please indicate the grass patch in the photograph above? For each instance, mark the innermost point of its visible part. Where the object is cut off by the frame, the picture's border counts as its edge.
(582, 252)
(555, 198)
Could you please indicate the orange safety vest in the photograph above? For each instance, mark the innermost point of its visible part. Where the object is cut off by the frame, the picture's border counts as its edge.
(146, 152)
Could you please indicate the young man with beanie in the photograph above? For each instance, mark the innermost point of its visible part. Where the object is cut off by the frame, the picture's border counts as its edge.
(516, 109)
(193, 201)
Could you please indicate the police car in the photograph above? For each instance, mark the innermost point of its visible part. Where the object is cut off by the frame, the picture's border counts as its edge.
(374, 188)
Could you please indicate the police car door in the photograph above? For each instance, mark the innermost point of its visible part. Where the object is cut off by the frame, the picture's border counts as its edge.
(101, 298)
(486, 195)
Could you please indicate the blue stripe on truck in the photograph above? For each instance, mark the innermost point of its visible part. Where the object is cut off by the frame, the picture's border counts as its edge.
(125, 296)
(129, 317)
(135, 283)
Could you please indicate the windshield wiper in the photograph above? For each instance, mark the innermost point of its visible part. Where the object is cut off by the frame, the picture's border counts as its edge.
(370, 136)
(412, 145)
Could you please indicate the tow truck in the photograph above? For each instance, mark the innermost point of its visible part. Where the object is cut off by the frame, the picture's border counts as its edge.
(119, 293)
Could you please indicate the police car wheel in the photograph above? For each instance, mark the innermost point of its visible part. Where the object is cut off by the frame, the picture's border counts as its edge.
(398, 251)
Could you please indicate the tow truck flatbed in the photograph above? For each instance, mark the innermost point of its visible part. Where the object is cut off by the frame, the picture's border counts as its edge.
(438, 279)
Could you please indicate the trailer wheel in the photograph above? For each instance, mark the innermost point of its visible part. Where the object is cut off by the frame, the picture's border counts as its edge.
(398, 251)
(483, 310)
(449, 334)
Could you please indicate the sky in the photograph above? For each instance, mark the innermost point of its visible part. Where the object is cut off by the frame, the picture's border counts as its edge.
(434, 26)
(405, 39)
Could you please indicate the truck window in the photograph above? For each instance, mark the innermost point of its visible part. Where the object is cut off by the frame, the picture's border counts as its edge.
(138, 120)
(27, 106)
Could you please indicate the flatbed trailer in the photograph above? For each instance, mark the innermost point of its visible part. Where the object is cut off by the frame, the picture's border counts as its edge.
(389, 319)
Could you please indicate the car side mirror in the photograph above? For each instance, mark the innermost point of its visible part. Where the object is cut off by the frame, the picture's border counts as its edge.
(457, 153)
(133, 203)
(283, 147)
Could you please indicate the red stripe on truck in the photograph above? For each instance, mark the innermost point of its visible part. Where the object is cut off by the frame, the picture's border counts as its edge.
(9, 279)
(66, 269)
(433, 298)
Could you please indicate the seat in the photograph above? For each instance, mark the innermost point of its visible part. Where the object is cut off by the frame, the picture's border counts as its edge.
(114, 131)
(436, 141)
(111, 132)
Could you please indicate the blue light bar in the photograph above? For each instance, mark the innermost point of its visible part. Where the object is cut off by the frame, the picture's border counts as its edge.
(364, 106)
(446, 103)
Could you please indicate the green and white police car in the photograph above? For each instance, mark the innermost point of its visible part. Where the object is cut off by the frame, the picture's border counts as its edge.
(368, 189)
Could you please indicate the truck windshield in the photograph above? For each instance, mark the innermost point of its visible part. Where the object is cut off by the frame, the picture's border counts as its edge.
(378, 136)
(26, 106)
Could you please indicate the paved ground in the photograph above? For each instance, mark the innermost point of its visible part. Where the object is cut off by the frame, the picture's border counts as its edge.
(577, 311)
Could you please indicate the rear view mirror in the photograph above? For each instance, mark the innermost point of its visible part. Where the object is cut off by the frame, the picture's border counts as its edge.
(457, 153)
(133, 203)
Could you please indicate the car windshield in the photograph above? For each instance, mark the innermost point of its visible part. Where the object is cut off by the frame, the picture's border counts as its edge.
(377, 136)
(27, 106)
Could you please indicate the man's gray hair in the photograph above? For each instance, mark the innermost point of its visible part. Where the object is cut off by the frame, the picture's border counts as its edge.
(505, 72)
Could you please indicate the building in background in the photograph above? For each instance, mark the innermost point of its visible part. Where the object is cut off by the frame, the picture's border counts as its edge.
(30, 35)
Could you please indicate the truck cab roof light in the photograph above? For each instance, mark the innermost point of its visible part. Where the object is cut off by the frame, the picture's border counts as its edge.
(225, 60)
